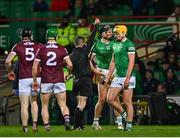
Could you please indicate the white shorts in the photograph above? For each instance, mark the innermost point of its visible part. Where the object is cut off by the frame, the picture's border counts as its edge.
(25, 87)
(119, 82)
(53, 87)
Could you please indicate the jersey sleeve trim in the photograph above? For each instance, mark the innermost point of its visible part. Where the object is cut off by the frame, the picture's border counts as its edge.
(66, 57)
(131, 52)
(13, 52)
(37, 59)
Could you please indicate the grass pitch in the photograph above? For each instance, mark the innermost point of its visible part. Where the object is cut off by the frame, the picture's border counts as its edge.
(108, 131)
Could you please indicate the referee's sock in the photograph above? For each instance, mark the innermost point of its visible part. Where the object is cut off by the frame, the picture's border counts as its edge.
(81, 119)
(78, 115)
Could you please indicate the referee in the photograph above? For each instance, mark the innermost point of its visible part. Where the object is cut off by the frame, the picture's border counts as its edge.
(81, 70)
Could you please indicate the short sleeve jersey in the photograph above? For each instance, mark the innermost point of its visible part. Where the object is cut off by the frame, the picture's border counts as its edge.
(26, 51)
(51, 58)
(103, 53)
(121, 51)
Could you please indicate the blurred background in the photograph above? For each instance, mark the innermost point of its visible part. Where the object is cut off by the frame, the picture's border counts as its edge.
(153, 25)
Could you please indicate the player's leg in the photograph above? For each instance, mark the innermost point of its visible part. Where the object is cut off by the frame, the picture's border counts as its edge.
(24, 96)
(102, 94)
(61, 98)
(45, 97)
(111, 99)
(127, 99)
(46, 90)
(60, 91)
(79, 111)
(34, 112)
(24, 100)
(119, 119)
(34, 107)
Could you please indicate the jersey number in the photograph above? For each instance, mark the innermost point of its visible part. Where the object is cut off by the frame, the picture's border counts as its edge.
(29, 54)
(50, 61)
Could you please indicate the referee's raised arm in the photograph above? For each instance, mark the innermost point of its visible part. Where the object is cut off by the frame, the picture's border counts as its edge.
(92, 36)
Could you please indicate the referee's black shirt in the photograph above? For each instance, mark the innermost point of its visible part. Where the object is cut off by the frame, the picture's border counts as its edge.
(80, 60)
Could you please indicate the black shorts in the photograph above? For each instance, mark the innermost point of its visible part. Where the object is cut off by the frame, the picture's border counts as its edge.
(83, 87)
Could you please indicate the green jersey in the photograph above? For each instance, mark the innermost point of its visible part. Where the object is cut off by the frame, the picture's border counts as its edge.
(103, 53)
(121, 51)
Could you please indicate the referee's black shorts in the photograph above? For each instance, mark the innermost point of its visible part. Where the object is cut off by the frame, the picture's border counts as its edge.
(83, 87)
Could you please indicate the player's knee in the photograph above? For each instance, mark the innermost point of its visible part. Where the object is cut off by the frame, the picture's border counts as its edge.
(127, 102)
(110, 100)
(44, 106)
(102, 101)
(24, 106)
(34, 103)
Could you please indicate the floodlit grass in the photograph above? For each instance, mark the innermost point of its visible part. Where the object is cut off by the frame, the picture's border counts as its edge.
(108, 131)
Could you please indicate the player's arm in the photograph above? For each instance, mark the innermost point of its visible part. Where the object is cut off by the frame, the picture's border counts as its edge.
(111, 69)
(68, 63)
(93, 68)
(131, 56)
(130, 65)
(35, 69)
(8, 63)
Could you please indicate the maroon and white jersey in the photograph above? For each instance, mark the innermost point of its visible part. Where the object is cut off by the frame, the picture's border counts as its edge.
(26, 51)
(51, 58)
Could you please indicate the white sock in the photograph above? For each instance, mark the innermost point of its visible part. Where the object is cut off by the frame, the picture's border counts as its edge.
(96, 121)
(119, 120)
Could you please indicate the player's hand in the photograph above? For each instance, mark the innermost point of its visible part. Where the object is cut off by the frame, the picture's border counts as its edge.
(98, 72)
(107, 83)
(35, 86)
(68, 77)
(11, 76)
(126, 84)
(97, 21)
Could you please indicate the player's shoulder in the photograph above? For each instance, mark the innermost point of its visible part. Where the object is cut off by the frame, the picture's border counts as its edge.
(38, 44)
(18, 44)
(129, 42)
(60, 47)
(41, 47)
(97, 41)
(114, 42)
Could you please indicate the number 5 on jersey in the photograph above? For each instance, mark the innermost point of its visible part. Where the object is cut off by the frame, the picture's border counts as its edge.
(29, 54)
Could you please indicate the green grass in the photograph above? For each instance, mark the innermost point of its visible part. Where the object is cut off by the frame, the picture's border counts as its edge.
(108, 131)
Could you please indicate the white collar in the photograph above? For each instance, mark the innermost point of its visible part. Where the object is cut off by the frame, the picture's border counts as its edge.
(124, 39)
(104, 41)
